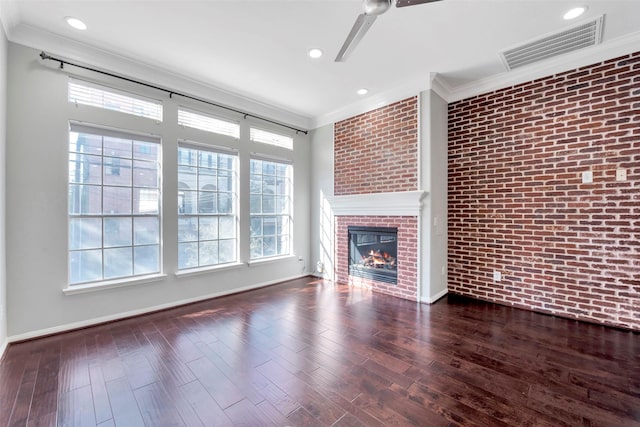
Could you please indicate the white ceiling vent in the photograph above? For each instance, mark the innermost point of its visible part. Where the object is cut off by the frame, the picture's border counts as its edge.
(582, 35)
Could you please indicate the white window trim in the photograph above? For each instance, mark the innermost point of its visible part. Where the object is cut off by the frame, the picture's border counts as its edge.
(112, 284)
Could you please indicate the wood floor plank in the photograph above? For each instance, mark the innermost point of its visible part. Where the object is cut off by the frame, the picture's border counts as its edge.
(312, 353)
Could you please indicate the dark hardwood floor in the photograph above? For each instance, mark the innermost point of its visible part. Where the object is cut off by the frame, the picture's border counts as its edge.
(307, 353)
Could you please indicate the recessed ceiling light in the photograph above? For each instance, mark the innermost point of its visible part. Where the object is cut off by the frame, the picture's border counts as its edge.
(315, 53)
(363, 91)
(75, 23)
(574, 13)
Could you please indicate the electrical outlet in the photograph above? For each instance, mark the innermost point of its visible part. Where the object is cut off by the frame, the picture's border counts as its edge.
(497, 276)
(621, 174)
(587, 177)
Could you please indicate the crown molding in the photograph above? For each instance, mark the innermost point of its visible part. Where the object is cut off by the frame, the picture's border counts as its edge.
(588, 56)
(103, 59)
(409, 88)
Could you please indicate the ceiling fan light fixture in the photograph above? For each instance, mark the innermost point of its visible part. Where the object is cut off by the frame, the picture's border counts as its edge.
(75, 23)
(574, 13)
(315, 53)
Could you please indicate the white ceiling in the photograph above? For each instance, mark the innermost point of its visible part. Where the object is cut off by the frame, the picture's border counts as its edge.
(258, 49)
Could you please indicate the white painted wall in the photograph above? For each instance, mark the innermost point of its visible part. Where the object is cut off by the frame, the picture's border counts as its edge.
(322, 231)
(3, 144)
(433, 179)
(36, 200)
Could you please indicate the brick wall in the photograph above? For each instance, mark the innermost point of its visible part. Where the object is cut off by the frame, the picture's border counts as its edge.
(407, 258)
(517, 203)
(377, 152)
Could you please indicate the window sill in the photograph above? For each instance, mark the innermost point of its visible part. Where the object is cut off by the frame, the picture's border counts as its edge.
(270, 260)
(210, 269)
(112, 284)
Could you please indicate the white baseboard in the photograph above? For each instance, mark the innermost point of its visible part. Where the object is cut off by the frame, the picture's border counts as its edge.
(3, 348)
(436, 297)
(124, 315)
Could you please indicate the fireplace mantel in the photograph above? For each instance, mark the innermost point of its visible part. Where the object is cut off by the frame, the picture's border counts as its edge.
(406, 203)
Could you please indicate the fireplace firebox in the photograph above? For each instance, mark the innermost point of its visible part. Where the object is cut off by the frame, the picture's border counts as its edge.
(373, 253)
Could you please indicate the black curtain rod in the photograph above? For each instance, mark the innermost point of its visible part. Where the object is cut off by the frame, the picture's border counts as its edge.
(62, 62)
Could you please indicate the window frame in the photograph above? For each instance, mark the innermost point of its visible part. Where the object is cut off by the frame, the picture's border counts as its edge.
(75, 216)
(289, 214)
(201, 148)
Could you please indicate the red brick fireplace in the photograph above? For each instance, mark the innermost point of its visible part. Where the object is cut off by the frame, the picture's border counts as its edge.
(375, 184)
(407, 257)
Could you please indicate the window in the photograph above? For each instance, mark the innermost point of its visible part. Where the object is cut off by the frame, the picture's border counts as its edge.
(270, 207)
(111, 99)
(259, 135)
(207, 183)
(114, 205)
(208, 123)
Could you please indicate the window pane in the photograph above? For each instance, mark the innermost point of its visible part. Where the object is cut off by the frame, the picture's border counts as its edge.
(85, 143)
(117, 171)
(207, 203)
(189, 202)
(146, 201)
(117, 200)
(187, 156)
(85, 199)
(117, 232)
(209, 228)
(208, 253)
(85, 266)
(282, 205)
(85, 233)
(269, 185)
(187, 229)
(146, 231)
(269, 246)
(145, 174)
(187, 255)
(256, 247)
(256, 226)
(225, 203)
(227, 249)
(117, 262)
(207, 179)
(225, 181)
(146, 259)
(227, 227)
(85, 169)
(208, 159)
(146, 150)
(187, 178)
(268, 168)
(269, 226)
(226, 162)
(268, 204)
(117, 147)
(255, 202)
(256, 184)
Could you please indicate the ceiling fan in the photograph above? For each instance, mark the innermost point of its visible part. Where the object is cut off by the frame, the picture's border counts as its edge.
(372, 8)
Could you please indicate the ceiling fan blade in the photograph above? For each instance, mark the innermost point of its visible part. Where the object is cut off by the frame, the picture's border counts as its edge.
(403, 3)
(360, 28)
